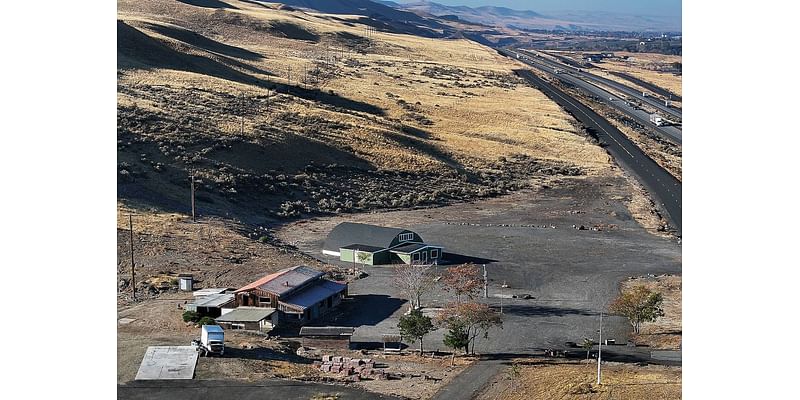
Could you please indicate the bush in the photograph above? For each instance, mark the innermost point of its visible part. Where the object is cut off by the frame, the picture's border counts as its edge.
(190, 316)
(207, 321)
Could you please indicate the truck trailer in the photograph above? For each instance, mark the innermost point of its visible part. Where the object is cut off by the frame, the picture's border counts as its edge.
(212, 340)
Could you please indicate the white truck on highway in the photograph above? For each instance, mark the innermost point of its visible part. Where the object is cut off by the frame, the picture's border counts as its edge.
(212, 340)
(657, 120)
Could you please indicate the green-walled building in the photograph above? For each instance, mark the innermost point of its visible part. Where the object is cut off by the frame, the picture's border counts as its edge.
(379, 245)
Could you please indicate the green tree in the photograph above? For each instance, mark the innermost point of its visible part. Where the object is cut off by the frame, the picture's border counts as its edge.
(415, 326)
(190, 316)
(473, 319)
(207, 321)
(457, 337)
(639, 304)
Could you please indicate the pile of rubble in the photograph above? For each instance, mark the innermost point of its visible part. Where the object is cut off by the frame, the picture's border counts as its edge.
(355, 368)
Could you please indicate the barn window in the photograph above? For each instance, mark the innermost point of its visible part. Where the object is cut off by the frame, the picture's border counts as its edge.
(264, 300)
(404, 237)
(415, 257)
(434, 253)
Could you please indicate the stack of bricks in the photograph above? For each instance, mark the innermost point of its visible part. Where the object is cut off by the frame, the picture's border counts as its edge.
(357, 367)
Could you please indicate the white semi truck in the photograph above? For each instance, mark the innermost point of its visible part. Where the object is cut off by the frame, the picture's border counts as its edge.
(657, 120)
(212, 340)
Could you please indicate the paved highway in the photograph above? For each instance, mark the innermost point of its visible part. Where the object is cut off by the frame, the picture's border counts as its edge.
(580, 72)
(647, 85)
(670, 133)
(663, 187)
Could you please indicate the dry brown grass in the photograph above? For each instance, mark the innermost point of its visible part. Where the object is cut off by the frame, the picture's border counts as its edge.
(666, 332)
(552, 379)
(475, 127)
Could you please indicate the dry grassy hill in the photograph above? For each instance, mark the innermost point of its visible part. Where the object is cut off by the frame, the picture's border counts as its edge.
(281, 112)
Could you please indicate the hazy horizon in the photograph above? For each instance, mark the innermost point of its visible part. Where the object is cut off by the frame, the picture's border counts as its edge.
(666, 8)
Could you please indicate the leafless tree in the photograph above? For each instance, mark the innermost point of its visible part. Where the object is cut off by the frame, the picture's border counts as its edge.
(415, 281)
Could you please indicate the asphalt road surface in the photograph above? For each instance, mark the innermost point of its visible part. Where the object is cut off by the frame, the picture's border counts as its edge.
(663, 187)
(613, 84)
(671, 133)
(212, 390)
(647, 85)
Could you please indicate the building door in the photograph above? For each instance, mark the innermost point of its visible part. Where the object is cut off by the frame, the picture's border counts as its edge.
(424, 257)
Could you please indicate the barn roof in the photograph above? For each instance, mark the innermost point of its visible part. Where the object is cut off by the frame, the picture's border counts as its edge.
(348, 233)
(284, 281)
(214, 300)
(365, 248)
(313, 295)
(411, 248)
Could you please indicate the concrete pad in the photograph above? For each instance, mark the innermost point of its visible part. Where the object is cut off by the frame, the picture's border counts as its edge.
(126, 321)
(168, 362)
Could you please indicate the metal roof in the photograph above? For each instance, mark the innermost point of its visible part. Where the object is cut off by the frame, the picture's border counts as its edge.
(364, 247)
(246, 314)
(411, 248)
(284, 281)
(213, 300)
(208, 291)
(314, 294)
(348, 233)
(327, 331)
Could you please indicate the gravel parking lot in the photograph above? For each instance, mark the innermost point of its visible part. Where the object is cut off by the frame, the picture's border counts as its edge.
(529, 237)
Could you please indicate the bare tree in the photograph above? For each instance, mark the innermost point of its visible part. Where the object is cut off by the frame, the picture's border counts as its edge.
(415, 281)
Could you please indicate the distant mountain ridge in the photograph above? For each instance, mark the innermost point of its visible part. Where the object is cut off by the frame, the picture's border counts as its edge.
(573, 20)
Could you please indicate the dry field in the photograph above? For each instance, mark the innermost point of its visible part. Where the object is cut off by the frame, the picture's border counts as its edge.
(666, 332)
(558, 379)
(270, 106)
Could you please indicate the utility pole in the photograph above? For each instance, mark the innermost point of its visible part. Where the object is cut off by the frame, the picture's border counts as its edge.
(485, 283)
(600, 348)
(133, 274)
(191, 178)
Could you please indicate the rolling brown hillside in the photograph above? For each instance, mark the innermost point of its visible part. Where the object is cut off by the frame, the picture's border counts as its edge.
(281, 113)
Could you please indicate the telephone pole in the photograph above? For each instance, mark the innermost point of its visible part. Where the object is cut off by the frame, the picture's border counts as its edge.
(600, 348)
(191, 178)
(133, 274)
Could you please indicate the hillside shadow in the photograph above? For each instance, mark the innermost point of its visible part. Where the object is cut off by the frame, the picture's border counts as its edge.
(135, 49)
(208, 44)
(423, 146)
(208, 4)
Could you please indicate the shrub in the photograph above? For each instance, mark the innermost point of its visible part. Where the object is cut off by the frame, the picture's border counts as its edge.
(190, 316)
(207, 321)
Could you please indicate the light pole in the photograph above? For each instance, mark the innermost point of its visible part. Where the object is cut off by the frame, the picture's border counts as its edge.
(600, 348)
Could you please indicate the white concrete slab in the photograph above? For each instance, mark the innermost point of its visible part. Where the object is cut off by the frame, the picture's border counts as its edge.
(126, 321)
(168, 362)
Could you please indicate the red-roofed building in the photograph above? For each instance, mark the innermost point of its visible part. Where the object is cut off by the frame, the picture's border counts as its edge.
(299, 294)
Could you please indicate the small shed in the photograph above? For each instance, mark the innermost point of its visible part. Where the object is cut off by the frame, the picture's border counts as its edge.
(249, 318)
(211, 305)
(326, 337)
(185, 282)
